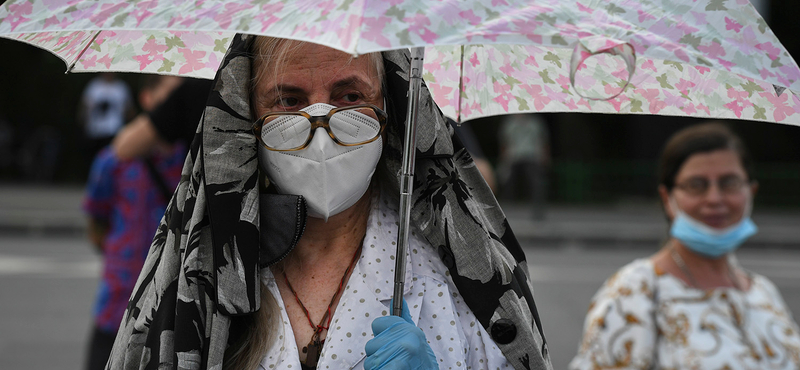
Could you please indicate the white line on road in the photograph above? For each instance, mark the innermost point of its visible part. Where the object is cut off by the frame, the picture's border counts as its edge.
(19, 265)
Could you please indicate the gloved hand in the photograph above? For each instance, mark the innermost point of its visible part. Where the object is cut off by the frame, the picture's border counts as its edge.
(398, 344)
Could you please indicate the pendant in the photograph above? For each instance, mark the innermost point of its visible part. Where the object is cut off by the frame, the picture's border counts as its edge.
(314, 350)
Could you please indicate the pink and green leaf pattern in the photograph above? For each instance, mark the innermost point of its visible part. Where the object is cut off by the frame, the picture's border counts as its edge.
(693, 57)
(501, 79)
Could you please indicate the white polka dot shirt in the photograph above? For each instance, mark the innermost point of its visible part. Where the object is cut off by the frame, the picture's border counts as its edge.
(453, 332)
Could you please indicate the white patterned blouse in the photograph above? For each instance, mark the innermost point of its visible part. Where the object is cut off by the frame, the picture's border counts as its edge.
(644, 318)
(457, 338)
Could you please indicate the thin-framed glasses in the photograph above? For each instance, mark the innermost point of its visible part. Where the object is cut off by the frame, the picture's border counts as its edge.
(347, 126)
(697, 186)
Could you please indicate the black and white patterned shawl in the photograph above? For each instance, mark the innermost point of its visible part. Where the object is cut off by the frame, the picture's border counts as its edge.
(203, 265)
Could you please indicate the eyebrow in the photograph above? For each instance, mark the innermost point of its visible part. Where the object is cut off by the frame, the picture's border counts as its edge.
(283, 88)
(352, 81)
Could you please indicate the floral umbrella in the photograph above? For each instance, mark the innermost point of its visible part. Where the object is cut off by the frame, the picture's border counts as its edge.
(714, 58)
(502, 79)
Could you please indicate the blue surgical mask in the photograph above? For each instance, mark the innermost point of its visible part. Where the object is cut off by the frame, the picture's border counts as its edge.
(709, 241)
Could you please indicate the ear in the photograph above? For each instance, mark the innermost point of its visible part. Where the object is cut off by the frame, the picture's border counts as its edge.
(663, 193)
(753, 188)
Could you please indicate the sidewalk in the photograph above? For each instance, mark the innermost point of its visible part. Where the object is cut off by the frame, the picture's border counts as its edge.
(51, 210)
(41, 209)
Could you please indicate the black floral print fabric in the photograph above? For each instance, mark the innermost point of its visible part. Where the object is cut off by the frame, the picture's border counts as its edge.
(203, 265)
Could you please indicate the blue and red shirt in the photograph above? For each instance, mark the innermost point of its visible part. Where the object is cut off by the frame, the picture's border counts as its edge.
(124, 195)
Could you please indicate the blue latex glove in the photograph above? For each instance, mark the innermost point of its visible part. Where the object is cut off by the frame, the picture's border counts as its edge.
(398, 344)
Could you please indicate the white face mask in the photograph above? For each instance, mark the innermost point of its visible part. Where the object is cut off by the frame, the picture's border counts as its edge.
(331, 177)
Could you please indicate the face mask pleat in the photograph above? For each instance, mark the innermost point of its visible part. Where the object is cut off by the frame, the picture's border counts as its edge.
(285, 131)
(354, 126)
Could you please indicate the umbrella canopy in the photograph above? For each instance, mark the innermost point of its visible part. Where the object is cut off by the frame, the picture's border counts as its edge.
(708, 59)
(503, 79)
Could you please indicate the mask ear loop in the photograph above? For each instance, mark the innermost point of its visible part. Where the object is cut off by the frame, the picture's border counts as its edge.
(733, 261)
(748, 207)
(673, 205)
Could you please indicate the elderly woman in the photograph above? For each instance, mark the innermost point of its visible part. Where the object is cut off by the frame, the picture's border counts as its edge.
(277, 250)
(690, 306)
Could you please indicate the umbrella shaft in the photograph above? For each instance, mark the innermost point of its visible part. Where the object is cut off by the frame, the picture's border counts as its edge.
(407, 178)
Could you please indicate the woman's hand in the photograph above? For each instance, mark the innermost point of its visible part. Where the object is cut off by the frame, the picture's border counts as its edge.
(398, 344)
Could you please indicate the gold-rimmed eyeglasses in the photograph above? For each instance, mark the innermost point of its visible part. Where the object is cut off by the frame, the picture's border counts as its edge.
(697, 186)
(347, 126)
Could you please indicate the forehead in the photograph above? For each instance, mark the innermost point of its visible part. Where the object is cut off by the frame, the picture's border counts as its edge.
(712, 164)
(312, 63)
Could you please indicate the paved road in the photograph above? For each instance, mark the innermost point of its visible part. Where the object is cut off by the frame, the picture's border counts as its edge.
(48, 285)
(47, 290)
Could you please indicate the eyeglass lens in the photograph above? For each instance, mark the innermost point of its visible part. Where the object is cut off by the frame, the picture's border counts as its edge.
(350, 126)
(700, 185)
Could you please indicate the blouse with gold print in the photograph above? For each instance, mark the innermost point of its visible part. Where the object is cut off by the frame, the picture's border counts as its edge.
(642, 318)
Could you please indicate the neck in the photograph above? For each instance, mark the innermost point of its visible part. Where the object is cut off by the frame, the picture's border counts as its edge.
(334, 240)
(698, 262)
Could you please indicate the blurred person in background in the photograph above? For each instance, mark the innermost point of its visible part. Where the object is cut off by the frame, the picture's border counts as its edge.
(7, 149)
(524, 160)
(467, 137)
(174, 119)
(125, 200)
(690, 305)
(38, 155)
(105, 106)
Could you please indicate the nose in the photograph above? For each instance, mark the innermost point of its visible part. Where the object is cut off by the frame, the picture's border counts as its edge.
(714, 193)
(319, 97)
(318, 138)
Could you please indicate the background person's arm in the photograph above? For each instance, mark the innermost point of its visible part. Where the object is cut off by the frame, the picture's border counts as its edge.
(136, 139)
(97, 231)
(176, 118)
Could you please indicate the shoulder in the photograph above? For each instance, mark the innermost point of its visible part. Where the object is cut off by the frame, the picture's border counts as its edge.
(763, 289)
(634, 280)
(620, 329)
(634, 273)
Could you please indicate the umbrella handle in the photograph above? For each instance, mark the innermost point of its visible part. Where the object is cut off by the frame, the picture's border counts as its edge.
(407, 177)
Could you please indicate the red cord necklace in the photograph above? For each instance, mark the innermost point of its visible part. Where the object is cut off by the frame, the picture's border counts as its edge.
(314, 347)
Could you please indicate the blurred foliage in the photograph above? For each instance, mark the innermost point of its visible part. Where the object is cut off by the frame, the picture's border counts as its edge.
(622, 180)
(610, 158)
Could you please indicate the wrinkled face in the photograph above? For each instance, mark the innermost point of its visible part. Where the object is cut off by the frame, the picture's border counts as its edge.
(722, 204)
(317, 74)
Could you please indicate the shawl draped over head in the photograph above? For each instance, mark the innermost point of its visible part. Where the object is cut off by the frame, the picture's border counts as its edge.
(203, 265)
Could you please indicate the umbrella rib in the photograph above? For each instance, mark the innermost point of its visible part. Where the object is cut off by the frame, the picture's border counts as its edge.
(460, 86)
(71, 66)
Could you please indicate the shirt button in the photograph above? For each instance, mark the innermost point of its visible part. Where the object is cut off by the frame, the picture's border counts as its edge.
(504, 331)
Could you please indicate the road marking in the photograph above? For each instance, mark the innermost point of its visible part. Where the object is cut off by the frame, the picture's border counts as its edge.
(23, 265)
